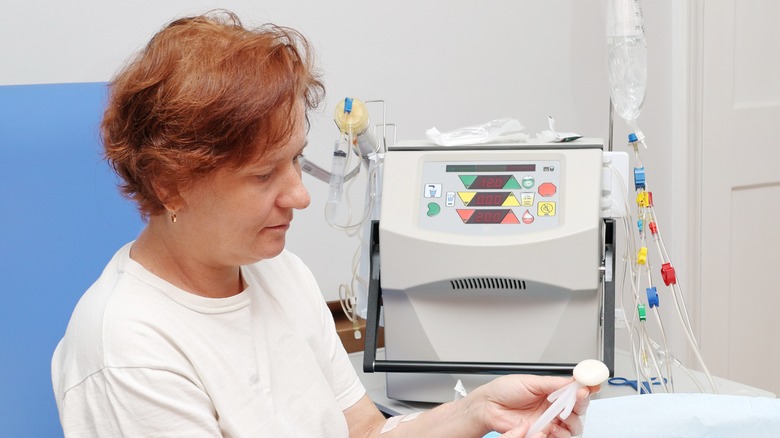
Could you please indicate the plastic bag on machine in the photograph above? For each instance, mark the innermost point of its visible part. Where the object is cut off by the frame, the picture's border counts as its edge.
(504, 129)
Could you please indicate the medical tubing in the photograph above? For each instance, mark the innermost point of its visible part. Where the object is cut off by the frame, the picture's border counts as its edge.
(555, 409)
(654, 362)
(679, 302)
(646, 270)
(637, 328)
(620, 295)
(337, 170)
(665, 345)
(350, 293)
(695, 348)
(676, 292)
(677, 295)
(637, 157)
(627, 267)
(647, 362)
(350, 149)
(676, 288)
(348, 300)
(356, 278)
(668, 359)
(345, 296)
(652, 351)
(636, 357)
(676, 362)
(352, 228)
(349, 296)
(360, 276)
(634, 328)
(661, 247)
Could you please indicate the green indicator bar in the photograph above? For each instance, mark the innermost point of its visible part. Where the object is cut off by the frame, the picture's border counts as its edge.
(512, 184)
(461, 168)
(467, 180)
(491, 168)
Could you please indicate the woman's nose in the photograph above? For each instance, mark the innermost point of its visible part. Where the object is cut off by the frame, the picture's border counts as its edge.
(295, 196)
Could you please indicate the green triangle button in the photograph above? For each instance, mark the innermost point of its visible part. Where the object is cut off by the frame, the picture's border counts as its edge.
(512, 183)
(467, 180)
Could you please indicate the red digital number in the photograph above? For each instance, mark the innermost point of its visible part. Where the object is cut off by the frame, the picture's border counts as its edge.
(494, 183)
(487, 217)
(488, 199)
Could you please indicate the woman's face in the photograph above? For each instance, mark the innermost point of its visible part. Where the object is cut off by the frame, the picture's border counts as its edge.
(237, 217)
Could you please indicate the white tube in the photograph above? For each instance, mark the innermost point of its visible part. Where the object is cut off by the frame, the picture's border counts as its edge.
(567, 395)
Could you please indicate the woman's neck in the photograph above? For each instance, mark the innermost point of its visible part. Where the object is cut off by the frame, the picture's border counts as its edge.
(161, 253)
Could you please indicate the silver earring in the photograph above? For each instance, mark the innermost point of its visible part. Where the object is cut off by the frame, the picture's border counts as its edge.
(173, 217)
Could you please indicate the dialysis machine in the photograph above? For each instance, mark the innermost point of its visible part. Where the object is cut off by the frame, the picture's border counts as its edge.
(486, 260)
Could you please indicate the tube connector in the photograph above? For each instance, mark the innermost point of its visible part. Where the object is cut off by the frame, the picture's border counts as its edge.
(639, 178)
(668, 274)
(652, 296)
(641, 257)
(653, 228)
(644, 199)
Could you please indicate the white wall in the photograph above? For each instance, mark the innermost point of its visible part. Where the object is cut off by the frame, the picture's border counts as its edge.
(435, 63)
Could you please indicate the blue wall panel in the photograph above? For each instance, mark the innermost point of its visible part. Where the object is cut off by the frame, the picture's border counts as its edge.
(61, 219)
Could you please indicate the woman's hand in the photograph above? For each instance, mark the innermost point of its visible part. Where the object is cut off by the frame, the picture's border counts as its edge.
(512, 403)
(508, 404)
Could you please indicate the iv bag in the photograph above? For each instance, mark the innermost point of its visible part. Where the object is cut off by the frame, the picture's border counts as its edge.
(626, 57)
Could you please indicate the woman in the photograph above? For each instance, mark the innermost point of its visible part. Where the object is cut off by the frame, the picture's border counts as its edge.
(205, 325)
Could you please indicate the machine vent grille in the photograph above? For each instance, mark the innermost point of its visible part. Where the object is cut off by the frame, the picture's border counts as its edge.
(491, 283)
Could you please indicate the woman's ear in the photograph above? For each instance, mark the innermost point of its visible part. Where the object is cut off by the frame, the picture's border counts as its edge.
(169, 196)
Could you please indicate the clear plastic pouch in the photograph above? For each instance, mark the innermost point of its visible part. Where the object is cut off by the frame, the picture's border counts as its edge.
(505, 129)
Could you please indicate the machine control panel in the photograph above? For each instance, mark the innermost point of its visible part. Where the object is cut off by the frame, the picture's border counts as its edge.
(487, 197)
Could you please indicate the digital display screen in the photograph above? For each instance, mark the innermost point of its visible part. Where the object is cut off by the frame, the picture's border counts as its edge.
(488, 216)
(489, 182)
(489, 199)
(491, 168)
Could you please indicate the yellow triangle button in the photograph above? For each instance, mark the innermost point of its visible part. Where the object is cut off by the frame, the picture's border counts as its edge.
(466, 197)
(511, 201)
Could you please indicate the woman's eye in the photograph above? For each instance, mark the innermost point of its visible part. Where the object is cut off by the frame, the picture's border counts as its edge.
(264, 177)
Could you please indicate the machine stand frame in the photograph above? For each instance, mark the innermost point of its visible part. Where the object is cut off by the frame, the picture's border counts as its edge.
(371, 364)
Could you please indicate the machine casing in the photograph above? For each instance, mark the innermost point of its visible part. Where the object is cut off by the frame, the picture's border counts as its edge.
(524, 291)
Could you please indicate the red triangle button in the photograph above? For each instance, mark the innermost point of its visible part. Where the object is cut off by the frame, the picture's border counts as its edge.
(465, 214)
(510, 218)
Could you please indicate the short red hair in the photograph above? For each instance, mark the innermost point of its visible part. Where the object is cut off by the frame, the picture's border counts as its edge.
(204, 93)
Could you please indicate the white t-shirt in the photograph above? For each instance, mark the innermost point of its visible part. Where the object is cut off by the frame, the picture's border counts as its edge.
(143, 358)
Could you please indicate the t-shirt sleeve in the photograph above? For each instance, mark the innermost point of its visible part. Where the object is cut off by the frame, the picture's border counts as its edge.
(137, 402)
(345, 383)
(343, 379)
